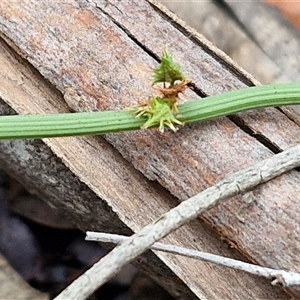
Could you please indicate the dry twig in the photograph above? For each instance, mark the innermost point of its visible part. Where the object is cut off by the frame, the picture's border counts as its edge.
(278, 276)
(234, 184)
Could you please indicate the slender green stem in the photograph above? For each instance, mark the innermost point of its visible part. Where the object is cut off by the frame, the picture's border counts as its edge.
(72, 124)
(67, 124)
(241, 100)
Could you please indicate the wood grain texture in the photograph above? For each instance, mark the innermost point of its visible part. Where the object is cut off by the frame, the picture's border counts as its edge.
(36, 166)
(93, 161)
(98, 54)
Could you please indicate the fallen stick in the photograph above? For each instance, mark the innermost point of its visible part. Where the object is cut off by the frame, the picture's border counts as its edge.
(123, 254)
(278, 276)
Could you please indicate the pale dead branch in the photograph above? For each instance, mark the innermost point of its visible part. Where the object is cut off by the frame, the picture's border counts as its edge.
(135, 245)
(278, 276)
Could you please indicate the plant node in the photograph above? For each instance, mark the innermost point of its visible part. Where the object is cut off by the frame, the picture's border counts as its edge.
(159, 112)
(162, 111)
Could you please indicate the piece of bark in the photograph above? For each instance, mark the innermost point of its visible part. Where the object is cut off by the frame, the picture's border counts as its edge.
(34, 164)
(119, 186)
(107, 69)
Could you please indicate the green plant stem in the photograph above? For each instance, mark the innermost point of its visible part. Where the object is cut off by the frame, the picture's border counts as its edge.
(241, 100)
(67, 124)
(93, 123)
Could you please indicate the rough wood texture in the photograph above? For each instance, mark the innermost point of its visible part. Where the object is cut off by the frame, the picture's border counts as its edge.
(259, 53)
(91, 159)
(37, 168)
(98, 54)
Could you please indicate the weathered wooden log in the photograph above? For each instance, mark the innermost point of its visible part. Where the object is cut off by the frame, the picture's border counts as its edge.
(97, 54)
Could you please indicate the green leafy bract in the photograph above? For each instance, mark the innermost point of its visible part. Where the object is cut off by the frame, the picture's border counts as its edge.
(168, 70)
(159, 112)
